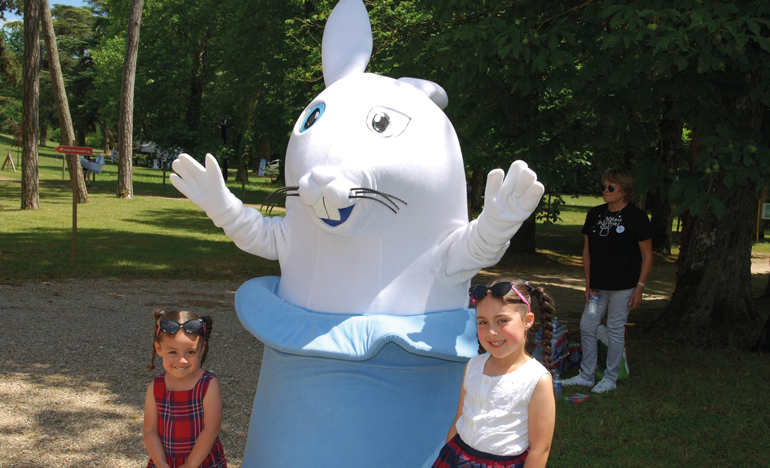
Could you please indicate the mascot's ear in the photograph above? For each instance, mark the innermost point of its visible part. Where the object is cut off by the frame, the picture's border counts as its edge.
(435, 92)
(347, 41)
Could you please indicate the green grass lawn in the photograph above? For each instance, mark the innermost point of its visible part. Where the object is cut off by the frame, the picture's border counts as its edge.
(157, 234)
(683, 406)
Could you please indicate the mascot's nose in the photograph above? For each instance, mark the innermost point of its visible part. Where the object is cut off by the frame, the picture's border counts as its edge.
(325, 174)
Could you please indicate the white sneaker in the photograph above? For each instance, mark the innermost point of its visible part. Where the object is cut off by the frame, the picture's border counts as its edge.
(604, 385)
(577, 380)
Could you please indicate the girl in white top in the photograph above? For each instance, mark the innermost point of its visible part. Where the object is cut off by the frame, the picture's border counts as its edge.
(507, 410)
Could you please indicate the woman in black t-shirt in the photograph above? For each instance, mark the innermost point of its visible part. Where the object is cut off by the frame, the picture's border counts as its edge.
(617, 259)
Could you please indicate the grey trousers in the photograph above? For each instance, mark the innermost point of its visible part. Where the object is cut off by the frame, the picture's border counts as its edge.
(615, 305)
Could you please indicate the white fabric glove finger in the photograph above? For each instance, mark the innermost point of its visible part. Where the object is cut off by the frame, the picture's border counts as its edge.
(192, 174)
(509, 184)
(531, 197)
(527, 177)
(182, 186)
(188, 168)
(494, 182)
(213, 173)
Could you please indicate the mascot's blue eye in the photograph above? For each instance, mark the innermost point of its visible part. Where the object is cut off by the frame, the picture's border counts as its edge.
(312, 117)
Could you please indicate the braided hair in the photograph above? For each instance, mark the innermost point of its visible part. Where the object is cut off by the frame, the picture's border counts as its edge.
(180, 316)
(546, 306)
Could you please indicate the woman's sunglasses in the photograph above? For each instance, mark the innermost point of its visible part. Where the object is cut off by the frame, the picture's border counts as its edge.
(497, 290)
(611, 188)
(191, 326)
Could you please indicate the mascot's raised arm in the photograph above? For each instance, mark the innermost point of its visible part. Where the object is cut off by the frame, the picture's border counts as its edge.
(367, 330)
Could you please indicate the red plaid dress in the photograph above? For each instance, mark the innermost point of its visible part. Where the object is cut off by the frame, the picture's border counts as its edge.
(180, 420)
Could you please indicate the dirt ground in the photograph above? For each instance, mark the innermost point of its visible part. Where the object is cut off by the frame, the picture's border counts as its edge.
(73, 357)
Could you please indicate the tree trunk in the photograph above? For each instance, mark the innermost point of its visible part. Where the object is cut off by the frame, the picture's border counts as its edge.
(43, 134)
(660, 205)
(107, 146)
(80, 136)
(767, 291)
(713, 288)
(60, 98)
(262, 152)
(477, 189)
(194, 106)
(126, 123)
(242, 175)
(30, 190)
(764, 196)
(524, 239)
(195, 102)
(662, 217)
(712, 296)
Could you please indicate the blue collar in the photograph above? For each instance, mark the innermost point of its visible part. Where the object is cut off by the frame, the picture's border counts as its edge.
(448, 335)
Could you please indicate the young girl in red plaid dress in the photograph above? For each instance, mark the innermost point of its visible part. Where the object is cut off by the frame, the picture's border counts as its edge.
(507, 412)
(183, 406)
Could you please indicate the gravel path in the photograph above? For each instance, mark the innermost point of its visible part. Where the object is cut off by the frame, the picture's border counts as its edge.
(73, 358)
(72, 368)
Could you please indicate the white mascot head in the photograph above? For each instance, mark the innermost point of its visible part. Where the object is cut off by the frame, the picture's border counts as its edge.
(381, 183)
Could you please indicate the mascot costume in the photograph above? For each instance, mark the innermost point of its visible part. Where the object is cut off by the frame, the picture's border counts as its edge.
(367, 330)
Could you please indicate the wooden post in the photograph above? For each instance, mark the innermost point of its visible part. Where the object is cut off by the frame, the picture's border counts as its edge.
(73, 152)
(73, 178)
(8, 159)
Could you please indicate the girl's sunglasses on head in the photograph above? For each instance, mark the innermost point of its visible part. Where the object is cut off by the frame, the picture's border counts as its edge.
(611, 188)
(191, 326)
(497, 290)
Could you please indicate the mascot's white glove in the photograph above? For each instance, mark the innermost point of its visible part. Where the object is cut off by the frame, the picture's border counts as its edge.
(205, 187)
(508, 202)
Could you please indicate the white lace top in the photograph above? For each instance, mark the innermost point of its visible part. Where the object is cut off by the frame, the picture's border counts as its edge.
(495, 410)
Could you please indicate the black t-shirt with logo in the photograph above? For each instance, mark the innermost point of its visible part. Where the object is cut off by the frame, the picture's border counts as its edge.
(613, 246)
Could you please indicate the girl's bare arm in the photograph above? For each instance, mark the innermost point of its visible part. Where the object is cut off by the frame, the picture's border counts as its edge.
(542, 419)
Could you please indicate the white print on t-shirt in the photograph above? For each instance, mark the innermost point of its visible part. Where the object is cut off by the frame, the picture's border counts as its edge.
(609, 222)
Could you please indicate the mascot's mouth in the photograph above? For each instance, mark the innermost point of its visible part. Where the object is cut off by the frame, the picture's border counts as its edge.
(334, 217)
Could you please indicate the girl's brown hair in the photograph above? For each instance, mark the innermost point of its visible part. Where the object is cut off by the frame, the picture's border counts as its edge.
(546, 307)
(180, 316)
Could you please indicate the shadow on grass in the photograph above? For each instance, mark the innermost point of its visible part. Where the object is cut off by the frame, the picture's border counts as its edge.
(178, 219)
(47, 253)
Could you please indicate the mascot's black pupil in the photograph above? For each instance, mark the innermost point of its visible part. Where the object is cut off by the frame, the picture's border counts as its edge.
(312, 118)
(381, 122)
